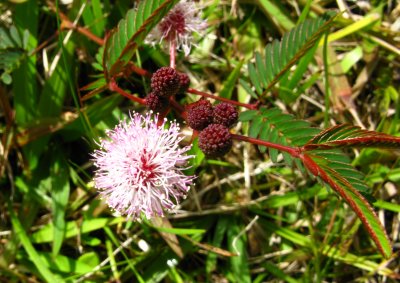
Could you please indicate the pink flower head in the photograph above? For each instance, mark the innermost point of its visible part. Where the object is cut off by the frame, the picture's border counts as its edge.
(139, 167)
(178, 26)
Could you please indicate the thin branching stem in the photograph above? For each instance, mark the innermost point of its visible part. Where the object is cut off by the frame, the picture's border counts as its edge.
(293, 151)
(237, 103)
(114, 87)
(172, 53)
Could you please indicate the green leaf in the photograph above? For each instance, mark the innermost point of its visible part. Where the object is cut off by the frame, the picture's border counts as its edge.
(60, 195)
(280, 56)
(274, 126)
(276, 10)
(46, 234)
(30, 250)
(237, 244)
(26, 94)
(328, 250)
(6, 78)
(55, 89)
(230, 83)
(220, 230)
(248, 89)
(277, 272)
(179, 231)
(65, 264)
(123, 41)
(321, 167)
(247, 115)
(346, 135)
(95, 112)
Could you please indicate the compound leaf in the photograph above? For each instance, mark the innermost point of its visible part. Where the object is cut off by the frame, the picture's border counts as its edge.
(131, 31)
(281, 55)
(346, 135)
(341, 182)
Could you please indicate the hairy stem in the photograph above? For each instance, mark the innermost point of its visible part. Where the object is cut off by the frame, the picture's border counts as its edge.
(293, 151)
(237, 103)
(138, 70)
(172, 53)
(114, 87)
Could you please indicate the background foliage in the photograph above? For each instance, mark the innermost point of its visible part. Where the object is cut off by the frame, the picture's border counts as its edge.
(248, 219)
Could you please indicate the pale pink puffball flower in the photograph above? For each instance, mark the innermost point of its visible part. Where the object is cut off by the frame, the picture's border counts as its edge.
(178, 25)
(140, 167)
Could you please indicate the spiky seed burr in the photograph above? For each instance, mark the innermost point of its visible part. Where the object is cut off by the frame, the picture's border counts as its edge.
(199, 114)
(156, 103)
(225, 114)
(184, 82)
(165, 82)
(215, 140)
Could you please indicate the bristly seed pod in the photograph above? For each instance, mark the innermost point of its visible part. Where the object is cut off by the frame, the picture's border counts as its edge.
(225, 114)
(215, 140)
(199, 114)
(165, 82)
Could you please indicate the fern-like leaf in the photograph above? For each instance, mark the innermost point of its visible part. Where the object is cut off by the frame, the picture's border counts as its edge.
(346, 135)
(341, 179)
(131, 31)
(279, 56)
(274, 126)
(317, 153)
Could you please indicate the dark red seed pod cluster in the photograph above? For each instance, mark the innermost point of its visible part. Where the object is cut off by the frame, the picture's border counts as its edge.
(213, 123)
(199, 114)
(215, 140)
(225, 114)
(165, 83)
(156, 103)
(184, 82)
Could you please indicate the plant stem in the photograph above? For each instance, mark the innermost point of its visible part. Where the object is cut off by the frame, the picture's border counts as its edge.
(138, 70)
(172, 53)
(66, 23)
(293, 151)
(114, 87)
(177, 107)
(237, 103)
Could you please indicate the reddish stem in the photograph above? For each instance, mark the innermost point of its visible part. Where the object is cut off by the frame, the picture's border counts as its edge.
(114, 87)
(253, 106)
(139, 71)
(293, 151)
(44, 43)
(177, 107)
(172, 53)
(66, 23)
(237, 103)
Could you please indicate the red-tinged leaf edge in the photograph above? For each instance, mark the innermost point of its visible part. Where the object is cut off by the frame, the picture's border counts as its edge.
(131, 44)
(353, 198)
(346, 135)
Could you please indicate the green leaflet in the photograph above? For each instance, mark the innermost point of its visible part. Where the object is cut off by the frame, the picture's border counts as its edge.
(279, 56)
(274, 126)
(336, 179)
(123, 41)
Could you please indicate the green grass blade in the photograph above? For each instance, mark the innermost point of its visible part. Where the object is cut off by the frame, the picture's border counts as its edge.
(237, 244)
(46, 234)
(60, 194)
(230, 83)
(30, 250)
(25, 87)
